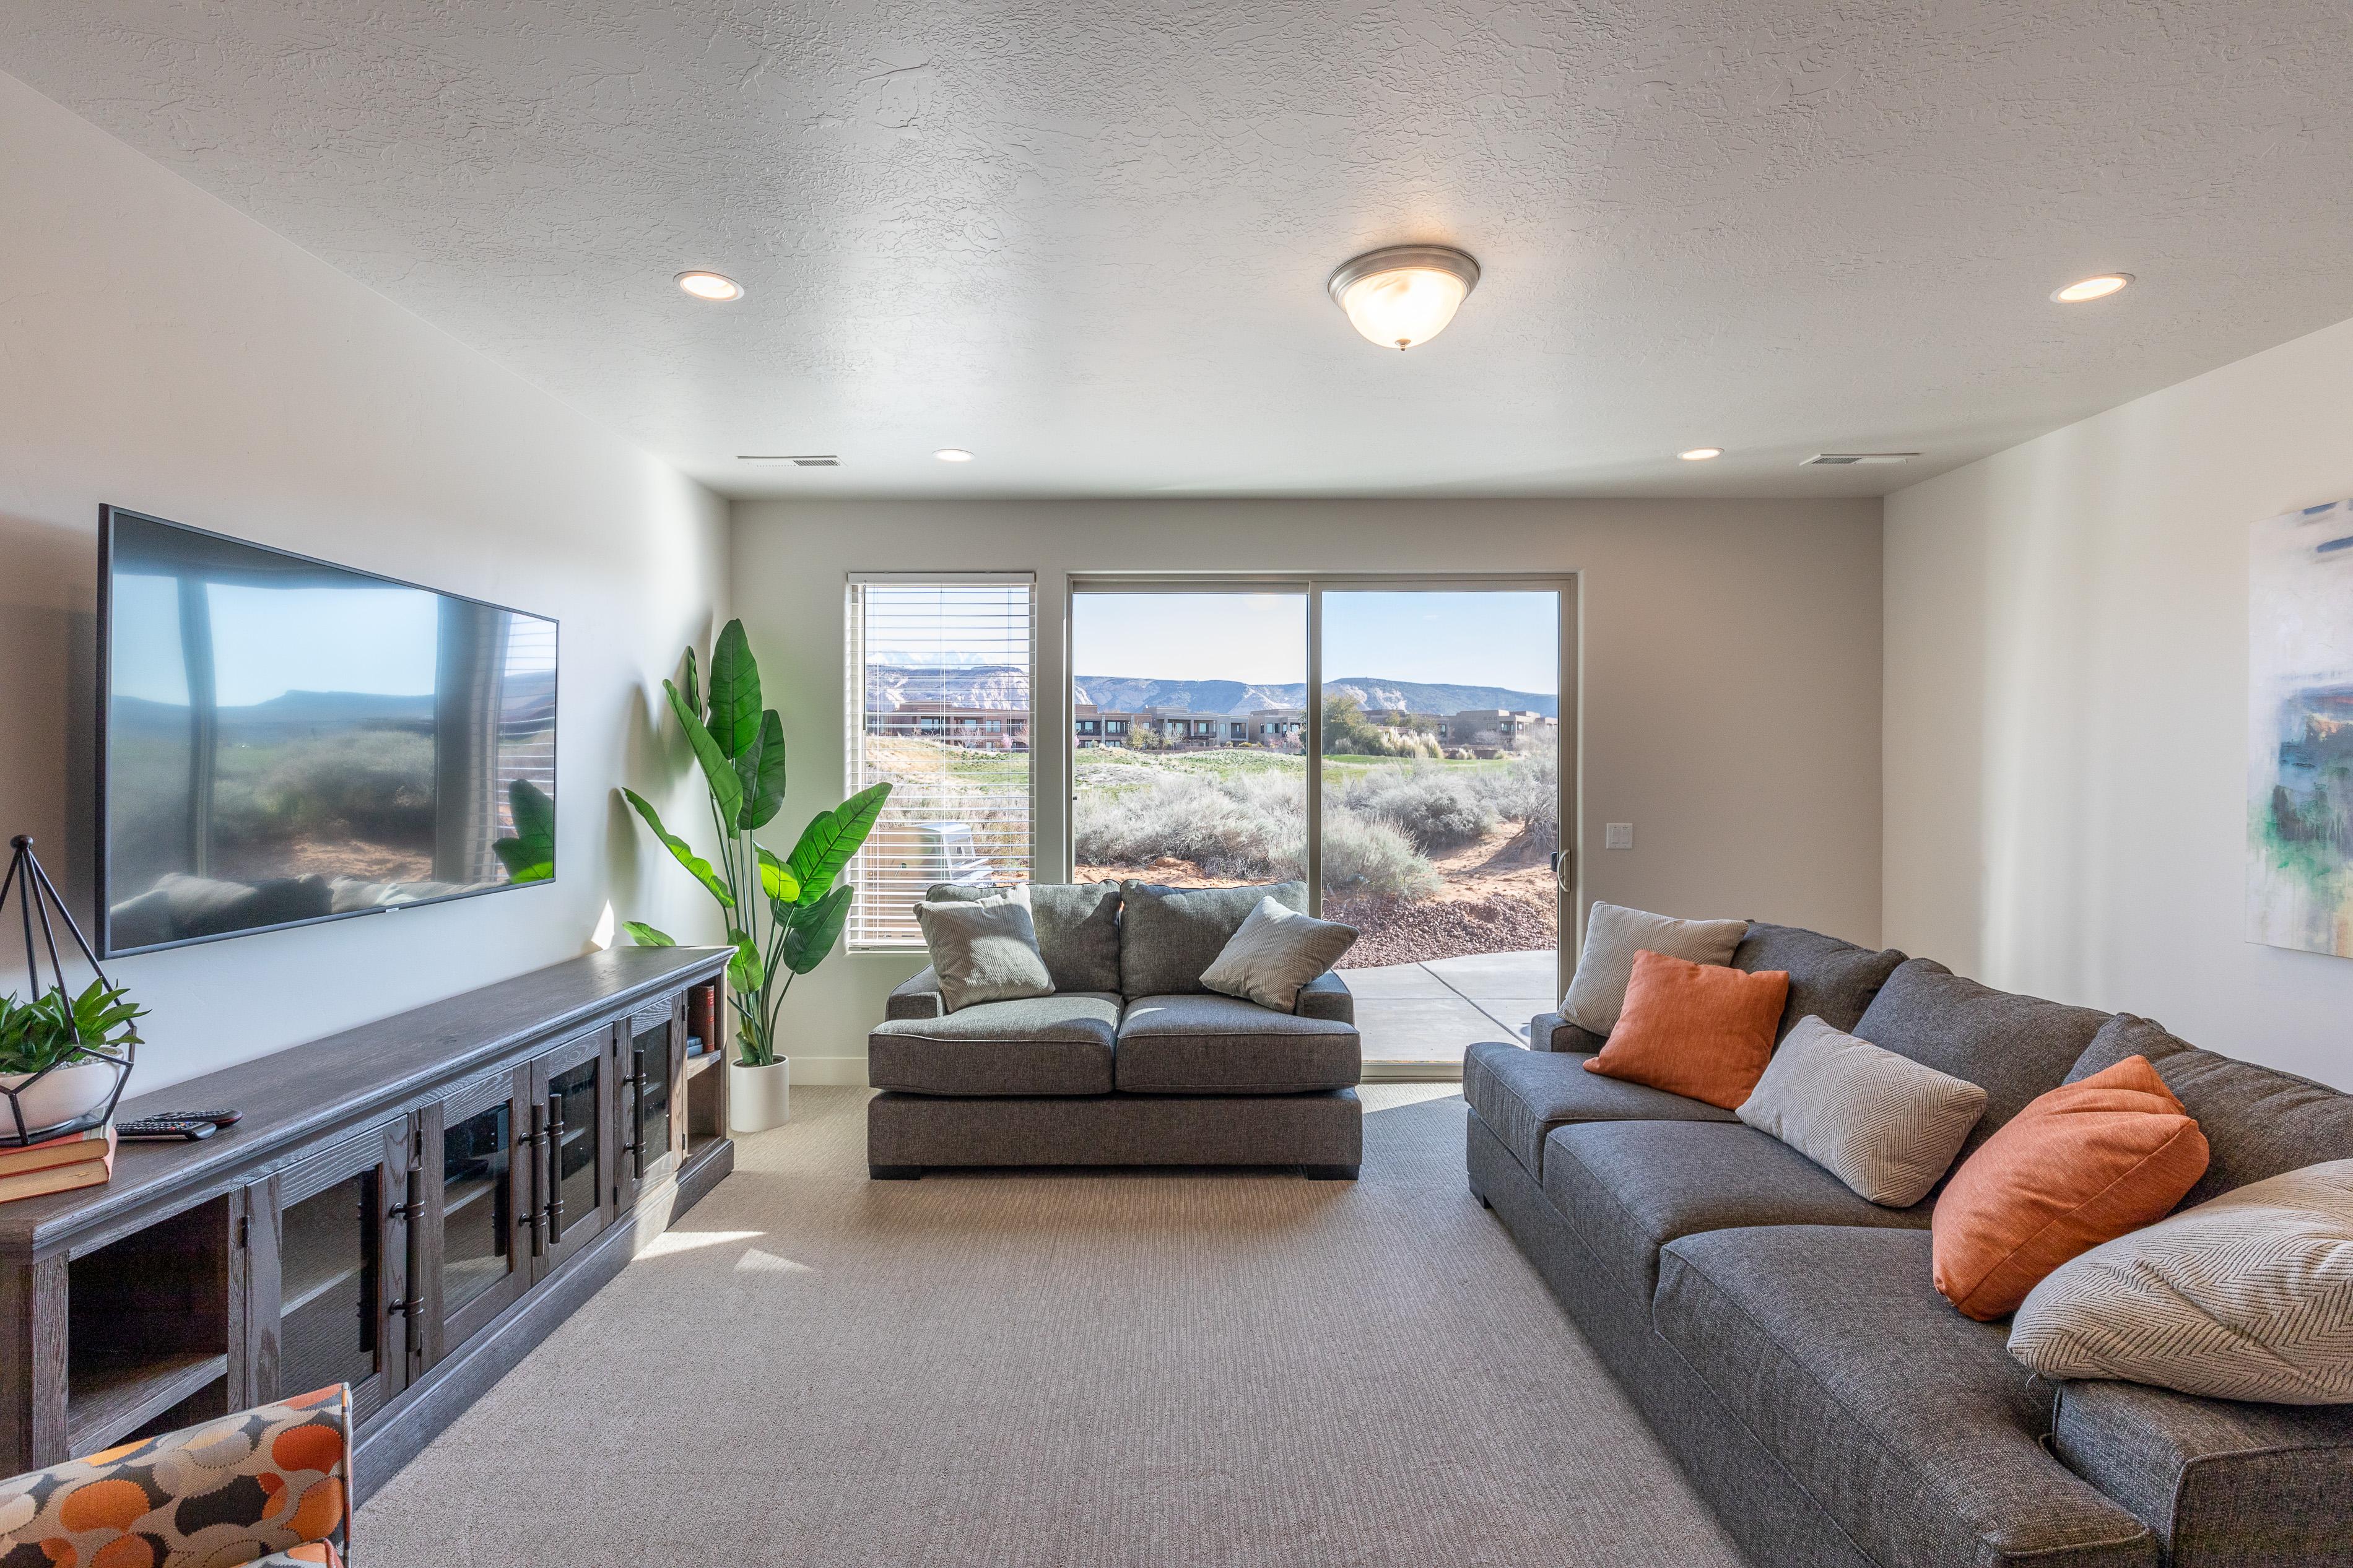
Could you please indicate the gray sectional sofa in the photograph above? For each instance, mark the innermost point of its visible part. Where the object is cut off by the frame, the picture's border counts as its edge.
(1131, 1062)
(1782, 1336)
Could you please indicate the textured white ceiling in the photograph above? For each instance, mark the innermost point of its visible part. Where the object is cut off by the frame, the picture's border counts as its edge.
(1088, 239)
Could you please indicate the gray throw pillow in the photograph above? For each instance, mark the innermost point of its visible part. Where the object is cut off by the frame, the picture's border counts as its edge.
(1277, 951)
(1881, 1123)
(1597, 992)
(2247, 1297)
(1167, 936)
(985, 950)
(1078, 928)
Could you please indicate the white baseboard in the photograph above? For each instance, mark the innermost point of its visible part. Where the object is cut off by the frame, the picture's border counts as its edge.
(836, 1071)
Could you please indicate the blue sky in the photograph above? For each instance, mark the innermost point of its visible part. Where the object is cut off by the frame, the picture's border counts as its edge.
(267, 641)
(1466, 638)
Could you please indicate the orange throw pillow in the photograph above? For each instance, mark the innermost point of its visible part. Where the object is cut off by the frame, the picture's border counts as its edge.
(2082, 1164)
(1699, 1030)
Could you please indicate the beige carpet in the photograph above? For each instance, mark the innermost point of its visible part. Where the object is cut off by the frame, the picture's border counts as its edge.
(1085, 1370)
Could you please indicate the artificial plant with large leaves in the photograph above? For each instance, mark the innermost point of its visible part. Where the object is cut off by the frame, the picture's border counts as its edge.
(783, 916)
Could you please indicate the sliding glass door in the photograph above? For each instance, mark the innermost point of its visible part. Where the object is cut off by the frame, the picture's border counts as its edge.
(1440, 790)
(1397, 744)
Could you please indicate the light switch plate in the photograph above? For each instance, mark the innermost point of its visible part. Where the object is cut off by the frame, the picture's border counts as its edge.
(1618, 835)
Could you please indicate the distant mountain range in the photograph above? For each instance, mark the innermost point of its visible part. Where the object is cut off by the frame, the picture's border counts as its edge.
(1006, 687)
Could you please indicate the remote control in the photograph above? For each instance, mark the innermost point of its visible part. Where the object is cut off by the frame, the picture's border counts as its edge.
(165, 1130)
(217, 1118)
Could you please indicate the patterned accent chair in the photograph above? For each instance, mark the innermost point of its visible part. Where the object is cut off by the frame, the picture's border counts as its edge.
(269, 1485)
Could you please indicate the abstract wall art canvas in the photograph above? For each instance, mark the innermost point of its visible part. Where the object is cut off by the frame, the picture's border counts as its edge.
(2300, 737)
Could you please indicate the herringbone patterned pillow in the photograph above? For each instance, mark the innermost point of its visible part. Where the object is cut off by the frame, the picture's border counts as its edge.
(2247, 1296)
(1881, 1123)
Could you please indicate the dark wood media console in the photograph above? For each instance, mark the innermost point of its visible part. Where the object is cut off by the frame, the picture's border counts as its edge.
(407, 1206)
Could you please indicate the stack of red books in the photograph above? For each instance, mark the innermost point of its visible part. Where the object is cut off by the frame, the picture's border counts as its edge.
(58, 1164)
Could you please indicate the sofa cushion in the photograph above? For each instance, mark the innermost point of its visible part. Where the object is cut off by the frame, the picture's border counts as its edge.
(1223, 1045)
(1167, 936)
(1909, 1424)
(2259, 1122)
(1628, 1188)
(1828, 979)
(2248, 1296)
(1077, 929)
(2014, 1047)
(1040, 1044)
(2223, 1485)
(1701, 1030)
(2083, 1164)
(1885, 1125)
(1522, 1095)
(1275, 953)
(983, 949)
(1613, 935)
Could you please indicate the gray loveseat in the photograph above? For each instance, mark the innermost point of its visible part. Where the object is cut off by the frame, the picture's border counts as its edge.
(1782, 1337)
(1131, 1062)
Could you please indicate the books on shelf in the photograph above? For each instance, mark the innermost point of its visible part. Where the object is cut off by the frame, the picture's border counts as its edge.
(58, 1164)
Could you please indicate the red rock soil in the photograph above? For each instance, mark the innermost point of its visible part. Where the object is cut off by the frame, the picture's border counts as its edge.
(1496, 897)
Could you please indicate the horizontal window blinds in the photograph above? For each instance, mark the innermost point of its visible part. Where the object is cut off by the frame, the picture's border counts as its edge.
(938, 706)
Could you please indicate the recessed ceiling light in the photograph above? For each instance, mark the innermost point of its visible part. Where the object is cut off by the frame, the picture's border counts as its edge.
(715, 287)
(953, 454)
(1700, 454)
(2091, 288)
(1405, 294)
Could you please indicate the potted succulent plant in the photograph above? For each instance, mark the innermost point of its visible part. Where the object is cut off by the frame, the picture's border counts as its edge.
(784, 916)
(61, 1056)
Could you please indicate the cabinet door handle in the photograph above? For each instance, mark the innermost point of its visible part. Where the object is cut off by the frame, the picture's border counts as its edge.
(637, 1144)
(554, 1167)
(536, 1143)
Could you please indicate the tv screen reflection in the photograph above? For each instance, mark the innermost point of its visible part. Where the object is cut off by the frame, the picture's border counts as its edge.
(287, 741)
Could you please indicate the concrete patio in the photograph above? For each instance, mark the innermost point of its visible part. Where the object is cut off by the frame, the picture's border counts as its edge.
(1425, 1015)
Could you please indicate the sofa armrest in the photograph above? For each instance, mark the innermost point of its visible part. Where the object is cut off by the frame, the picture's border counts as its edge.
(2223, 1484)
(917, 998)
(1551, 1032)
(1326, 996)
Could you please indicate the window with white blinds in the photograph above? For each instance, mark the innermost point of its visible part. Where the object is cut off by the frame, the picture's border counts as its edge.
(938, 705)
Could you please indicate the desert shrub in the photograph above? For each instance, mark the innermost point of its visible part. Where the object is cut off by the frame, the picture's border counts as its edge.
(1249, 827)
(1370, 859)
(1528, 791)
(1435, 809)
(1245, 826)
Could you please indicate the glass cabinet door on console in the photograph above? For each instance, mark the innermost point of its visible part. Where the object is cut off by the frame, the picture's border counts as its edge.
(474, 1247)
(343, 1309)
(653, 1069)
(573, 1095)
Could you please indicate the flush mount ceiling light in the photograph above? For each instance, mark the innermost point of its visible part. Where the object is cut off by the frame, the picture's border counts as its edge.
(1405, 294)
(715, 287)
(953, 454)
(1700, 454)
(2091, 288)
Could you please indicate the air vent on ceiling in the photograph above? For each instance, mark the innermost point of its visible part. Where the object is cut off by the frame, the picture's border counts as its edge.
(804, 460)
(1848, 459)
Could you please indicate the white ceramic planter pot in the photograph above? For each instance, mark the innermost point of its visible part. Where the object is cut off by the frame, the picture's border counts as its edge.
(66, 1092)
(758, 1098)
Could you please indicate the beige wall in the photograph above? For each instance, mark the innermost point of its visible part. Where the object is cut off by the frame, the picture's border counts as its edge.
(2067, 707)
(161, 351)
(1730, 673)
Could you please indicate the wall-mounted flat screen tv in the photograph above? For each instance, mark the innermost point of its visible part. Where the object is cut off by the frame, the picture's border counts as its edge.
(283, 741)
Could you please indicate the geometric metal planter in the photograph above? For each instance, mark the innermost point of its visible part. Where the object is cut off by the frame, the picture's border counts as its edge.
(36, 900)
